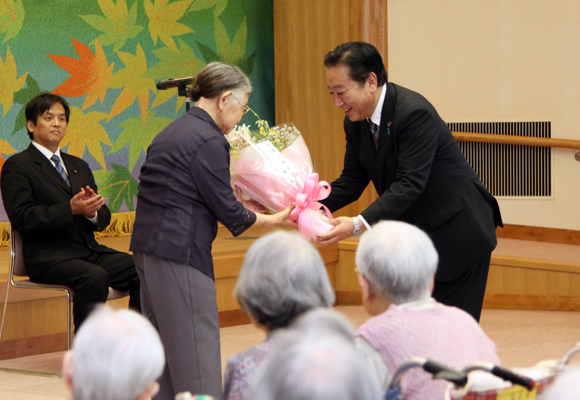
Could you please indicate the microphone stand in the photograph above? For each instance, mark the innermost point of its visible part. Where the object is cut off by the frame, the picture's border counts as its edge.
(182, 91)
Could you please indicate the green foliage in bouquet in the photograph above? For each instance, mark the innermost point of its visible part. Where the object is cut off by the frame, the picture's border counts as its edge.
(281, 136)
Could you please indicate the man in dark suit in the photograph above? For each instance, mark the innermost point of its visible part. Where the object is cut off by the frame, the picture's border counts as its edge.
(396, 139)
(51, 199)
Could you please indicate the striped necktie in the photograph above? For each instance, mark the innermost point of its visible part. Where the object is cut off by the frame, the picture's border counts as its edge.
(375, 132)
(59, 168)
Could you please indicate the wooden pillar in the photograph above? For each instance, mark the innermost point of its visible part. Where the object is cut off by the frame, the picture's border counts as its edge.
(304, 32)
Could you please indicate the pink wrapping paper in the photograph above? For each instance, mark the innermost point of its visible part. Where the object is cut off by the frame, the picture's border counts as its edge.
(259, 178)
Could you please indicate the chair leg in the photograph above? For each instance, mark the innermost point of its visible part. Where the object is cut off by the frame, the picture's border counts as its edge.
(69, 322)
(4, 310)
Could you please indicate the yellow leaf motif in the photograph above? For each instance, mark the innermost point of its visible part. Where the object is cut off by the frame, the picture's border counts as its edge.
(118, 24)
(8, 82)
(134, 85)
(83, 131)
(163, 20)
(5, 148)
(11, 18)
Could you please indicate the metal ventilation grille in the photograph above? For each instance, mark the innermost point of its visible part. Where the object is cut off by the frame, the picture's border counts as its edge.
(509, 170)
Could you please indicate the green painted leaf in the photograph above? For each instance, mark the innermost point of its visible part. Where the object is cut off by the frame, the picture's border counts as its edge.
(174, 65)
(230, 51)
(23, 96)
(139, 135)
(117, 186)
(199, 5)
(247, 65)
(208, 54)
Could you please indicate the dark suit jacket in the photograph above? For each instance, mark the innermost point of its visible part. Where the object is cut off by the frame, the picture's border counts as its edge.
(184, 190)
(37, 201)
(422, 178)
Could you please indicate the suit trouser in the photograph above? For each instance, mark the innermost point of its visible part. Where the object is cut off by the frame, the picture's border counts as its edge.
(467, 290)
(90, 279)
(181, 303)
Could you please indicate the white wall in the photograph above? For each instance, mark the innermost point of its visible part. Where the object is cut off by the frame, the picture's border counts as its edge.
(499, 60)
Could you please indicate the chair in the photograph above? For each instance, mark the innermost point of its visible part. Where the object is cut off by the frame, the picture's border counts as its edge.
(17, 269)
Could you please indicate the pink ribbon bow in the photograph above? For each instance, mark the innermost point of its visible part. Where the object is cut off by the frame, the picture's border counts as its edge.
(306, 199)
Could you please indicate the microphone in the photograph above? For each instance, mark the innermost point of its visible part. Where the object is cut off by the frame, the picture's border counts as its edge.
(172, 83)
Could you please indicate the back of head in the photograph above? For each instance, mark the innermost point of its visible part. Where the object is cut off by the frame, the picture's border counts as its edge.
(217, 78)
(565, 387)
(399, 260)
(314, 367)
(42, 103)
(116, 355)
(282, 276)
(323, 322)
(362, 58)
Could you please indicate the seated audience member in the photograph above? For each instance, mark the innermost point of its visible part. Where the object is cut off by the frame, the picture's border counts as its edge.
(51, 199)
(396, 264)
(117, 355)
(316, 360)
(282, 277)
(565, 387)
(321, 321)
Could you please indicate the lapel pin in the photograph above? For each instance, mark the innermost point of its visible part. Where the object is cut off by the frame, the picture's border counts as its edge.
(389, 127)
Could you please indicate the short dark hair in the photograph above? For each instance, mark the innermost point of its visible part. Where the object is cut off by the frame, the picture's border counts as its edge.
(41, 104)
(361, 58)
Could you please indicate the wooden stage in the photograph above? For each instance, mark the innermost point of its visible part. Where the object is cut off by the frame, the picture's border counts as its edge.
(36, 319)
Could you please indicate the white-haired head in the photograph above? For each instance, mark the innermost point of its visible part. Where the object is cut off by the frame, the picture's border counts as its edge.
(117, 355)
(398, 260)
(315, 367)
(282, 276)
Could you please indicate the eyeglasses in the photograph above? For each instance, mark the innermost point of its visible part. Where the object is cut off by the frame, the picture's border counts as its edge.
(246, 108)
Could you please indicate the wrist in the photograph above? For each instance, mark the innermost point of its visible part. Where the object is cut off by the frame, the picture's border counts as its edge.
(357, 227)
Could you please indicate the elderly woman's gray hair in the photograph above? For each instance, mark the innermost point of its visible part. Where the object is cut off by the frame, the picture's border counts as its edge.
(217, 78)
(282, 276)
(398, 260)
(322, 322)
(116, 356)
(316, 367)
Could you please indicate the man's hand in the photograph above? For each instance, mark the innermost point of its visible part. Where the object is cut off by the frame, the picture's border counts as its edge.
(86, 202)
(343, 227)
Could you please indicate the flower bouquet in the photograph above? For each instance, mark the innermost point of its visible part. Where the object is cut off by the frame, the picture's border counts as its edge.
(272, 166)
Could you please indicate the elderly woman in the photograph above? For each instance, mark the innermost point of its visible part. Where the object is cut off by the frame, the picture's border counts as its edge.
(316, 360)
(282, 277)
(184, 191)
(396, 264)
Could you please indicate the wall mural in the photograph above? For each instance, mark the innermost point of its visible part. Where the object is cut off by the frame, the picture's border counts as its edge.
(105, 56)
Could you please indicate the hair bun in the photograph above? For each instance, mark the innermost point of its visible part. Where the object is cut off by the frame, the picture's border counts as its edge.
(195, 93)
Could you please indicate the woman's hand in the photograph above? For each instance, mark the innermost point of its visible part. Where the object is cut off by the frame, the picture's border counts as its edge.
(279, 219)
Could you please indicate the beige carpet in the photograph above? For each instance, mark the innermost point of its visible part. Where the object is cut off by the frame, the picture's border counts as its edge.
(522, 337)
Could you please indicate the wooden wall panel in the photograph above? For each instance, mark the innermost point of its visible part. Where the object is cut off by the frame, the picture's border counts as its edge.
(304, 32)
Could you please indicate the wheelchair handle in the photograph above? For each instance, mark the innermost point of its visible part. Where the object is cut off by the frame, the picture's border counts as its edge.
(513, 377)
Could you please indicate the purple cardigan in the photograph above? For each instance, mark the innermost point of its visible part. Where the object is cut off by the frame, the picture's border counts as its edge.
(444, 334)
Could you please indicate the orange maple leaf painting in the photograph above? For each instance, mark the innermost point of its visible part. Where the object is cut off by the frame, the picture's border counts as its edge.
(90, 73)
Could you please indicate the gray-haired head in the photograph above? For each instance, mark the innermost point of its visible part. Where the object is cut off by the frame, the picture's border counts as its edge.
(315, 367)
(116, 356)
(565, 387)
(399, 261)
(322, 322)
(217, 78)
(282, 276)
